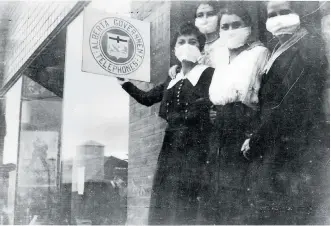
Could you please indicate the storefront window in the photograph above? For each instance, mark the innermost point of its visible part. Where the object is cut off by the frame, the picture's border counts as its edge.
(94, 141)
(38, 169)
(8, 169)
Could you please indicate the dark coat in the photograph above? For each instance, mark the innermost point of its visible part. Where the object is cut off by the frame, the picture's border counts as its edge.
(178, 180)
(289, 175)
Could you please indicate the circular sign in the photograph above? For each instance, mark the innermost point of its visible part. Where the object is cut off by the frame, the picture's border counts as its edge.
(117, 46)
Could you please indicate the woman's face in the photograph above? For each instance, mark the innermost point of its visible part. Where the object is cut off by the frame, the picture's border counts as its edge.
(278, 8)
(282, 21)
(187, 39)
(205, 11)
(187, 48)
(206, 19)
(231, 22)
(233, 31)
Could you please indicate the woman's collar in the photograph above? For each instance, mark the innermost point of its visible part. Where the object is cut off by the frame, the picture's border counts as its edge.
(193, 76)
(285, 46)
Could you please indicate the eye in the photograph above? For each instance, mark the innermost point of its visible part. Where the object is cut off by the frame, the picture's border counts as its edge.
(285, 12)
(193, 42)
(199, 15)
(225, 27)
(181, 42)
(273, 14)
(236, 25)
(210, 13)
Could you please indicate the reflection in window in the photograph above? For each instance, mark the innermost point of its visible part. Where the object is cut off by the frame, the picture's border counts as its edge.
(37, 187)
(8, 169)
(94, 141)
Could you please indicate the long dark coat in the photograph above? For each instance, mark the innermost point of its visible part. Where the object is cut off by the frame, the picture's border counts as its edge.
(179, 176)
(289, 176)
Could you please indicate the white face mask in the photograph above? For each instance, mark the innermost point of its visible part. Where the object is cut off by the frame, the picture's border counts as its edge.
(283, 24)
(235, 38)
(187, 52)
(207, 25)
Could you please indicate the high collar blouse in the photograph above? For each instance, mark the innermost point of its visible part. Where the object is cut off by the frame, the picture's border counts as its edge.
(238, 80)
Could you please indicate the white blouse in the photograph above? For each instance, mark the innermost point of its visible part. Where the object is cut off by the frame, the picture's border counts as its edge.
(238, 80)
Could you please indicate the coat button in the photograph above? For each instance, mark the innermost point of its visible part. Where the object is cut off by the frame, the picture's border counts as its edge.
(167, 103)
(186, 110)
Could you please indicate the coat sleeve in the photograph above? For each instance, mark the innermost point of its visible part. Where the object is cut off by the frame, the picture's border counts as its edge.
(147, 98)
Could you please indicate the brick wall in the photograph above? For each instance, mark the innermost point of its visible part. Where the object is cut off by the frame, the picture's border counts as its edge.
(146, 128)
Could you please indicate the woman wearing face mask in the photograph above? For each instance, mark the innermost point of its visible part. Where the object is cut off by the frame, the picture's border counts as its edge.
(207, 20)
(234, 93)
(290, 145)
(185, 106)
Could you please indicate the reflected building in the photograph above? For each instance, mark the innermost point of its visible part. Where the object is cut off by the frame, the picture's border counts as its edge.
(94, 187)
(90, 157)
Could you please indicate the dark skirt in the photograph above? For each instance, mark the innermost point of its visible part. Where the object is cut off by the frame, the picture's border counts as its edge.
(180, 179)
(233, 124)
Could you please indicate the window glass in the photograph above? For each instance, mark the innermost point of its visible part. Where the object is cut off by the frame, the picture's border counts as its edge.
(94, 141)
(12, 101)
(38, 162)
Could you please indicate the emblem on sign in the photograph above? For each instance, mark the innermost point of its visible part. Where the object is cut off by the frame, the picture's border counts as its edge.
(117, 46)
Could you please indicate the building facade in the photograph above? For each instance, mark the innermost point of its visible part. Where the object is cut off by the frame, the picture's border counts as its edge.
(39, 42)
